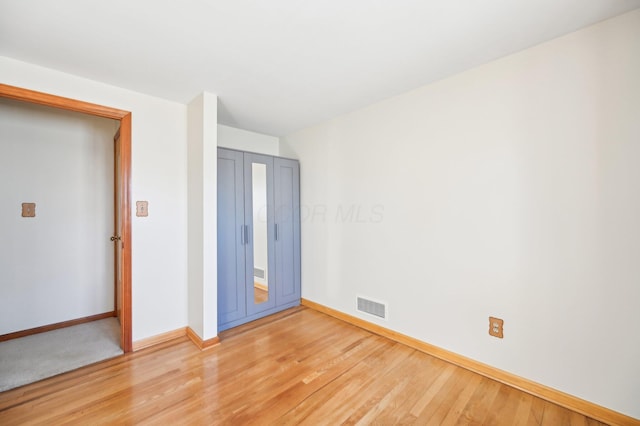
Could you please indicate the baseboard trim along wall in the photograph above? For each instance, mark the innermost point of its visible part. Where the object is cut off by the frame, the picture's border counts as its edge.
(549, 394)
(202, 344)
(51, 327)
(159, 338)
(175, 334)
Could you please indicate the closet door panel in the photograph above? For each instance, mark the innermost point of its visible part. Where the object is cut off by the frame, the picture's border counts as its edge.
(258, 201)
(231, 247)
(287, 217)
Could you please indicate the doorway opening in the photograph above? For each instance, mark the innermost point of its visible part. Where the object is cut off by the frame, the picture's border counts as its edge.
(122, 194)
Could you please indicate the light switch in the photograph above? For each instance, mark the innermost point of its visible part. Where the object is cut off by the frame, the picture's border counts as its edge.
(28, 209)
(142, 208)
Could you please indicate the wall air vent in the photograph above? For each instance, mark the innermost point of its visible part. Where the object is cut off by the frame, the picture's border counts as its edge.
(372, 308)
(258, 273)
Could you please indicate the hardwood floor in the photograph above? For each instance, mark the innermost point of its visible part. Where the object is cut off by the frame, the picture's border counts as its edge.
(296, 367)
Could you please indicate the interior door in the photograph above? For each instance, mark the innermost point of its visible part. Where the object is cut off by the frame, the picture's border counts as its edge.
(118, 231)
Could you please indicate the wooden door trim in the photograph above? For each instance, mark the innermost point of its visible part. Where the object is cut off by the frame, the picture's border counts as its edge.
(31, 96)
(125, 217)
(69, 104)
(116, 152)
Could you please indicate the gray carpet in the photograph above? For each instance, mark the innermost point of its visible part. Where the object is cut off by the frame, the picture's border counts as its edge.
(32, 358)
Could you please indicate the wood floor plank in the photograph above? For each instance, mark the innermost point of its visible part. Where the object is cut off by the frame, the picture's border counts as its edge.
(478, 406)
(521, 418)
(420, 374)
(536, 413)
(505, 406)
(462, 400)
(555, 415)
(295, 367)
(432, 391)
(341, 396)
(439, 406)
(281, 395)
(390, 381)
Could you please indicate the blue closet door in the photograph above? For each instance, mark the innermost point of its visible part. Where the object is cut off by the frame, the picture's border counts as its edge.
(258, 236)
(287, 219)
(259, 217)
(231, 237)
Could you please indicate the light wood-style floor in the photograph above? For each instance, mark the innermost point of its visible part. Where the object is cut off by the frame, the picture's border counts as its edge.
(296, 367)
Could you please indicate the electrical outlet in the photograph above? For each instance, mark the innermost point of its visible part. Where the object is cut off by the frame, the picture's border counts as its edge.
(496, 327)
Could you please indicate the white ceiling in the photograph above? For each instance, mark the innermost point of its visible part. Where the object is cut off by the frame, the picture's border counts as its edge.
(281, 65)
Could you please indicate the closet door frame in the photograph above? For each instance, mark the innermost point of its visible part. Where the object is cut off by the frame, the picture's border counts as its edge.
(124, 117)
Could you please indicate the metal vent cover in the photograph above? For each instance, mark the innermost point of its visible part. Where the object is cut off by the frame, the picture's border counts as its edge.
(372, 308)
(258, 273)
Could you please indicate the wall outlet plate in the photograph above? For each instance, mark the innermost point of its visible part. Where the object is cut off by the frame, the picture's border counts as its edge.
(496, 327)
(28, 209)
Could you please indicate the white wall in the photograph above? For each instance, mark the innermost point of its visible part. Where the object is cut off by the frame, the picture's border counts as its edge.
(158, 175)
(202, 201)
(244, 140)
(511, 190)
(57, 266)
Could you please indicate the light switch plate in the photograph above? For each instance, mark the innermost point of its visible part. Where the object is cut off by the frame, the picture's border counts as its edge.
(142, 208)
(28, 209)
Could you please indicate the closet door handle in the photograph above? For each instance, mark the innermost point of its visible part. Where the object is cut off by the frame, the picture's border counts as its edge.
(246, 234)
(276, 226)
(241, 234)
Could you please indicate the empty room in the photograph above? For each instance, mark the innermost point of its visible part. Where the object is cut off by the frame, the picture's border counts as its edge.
(285, 212)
